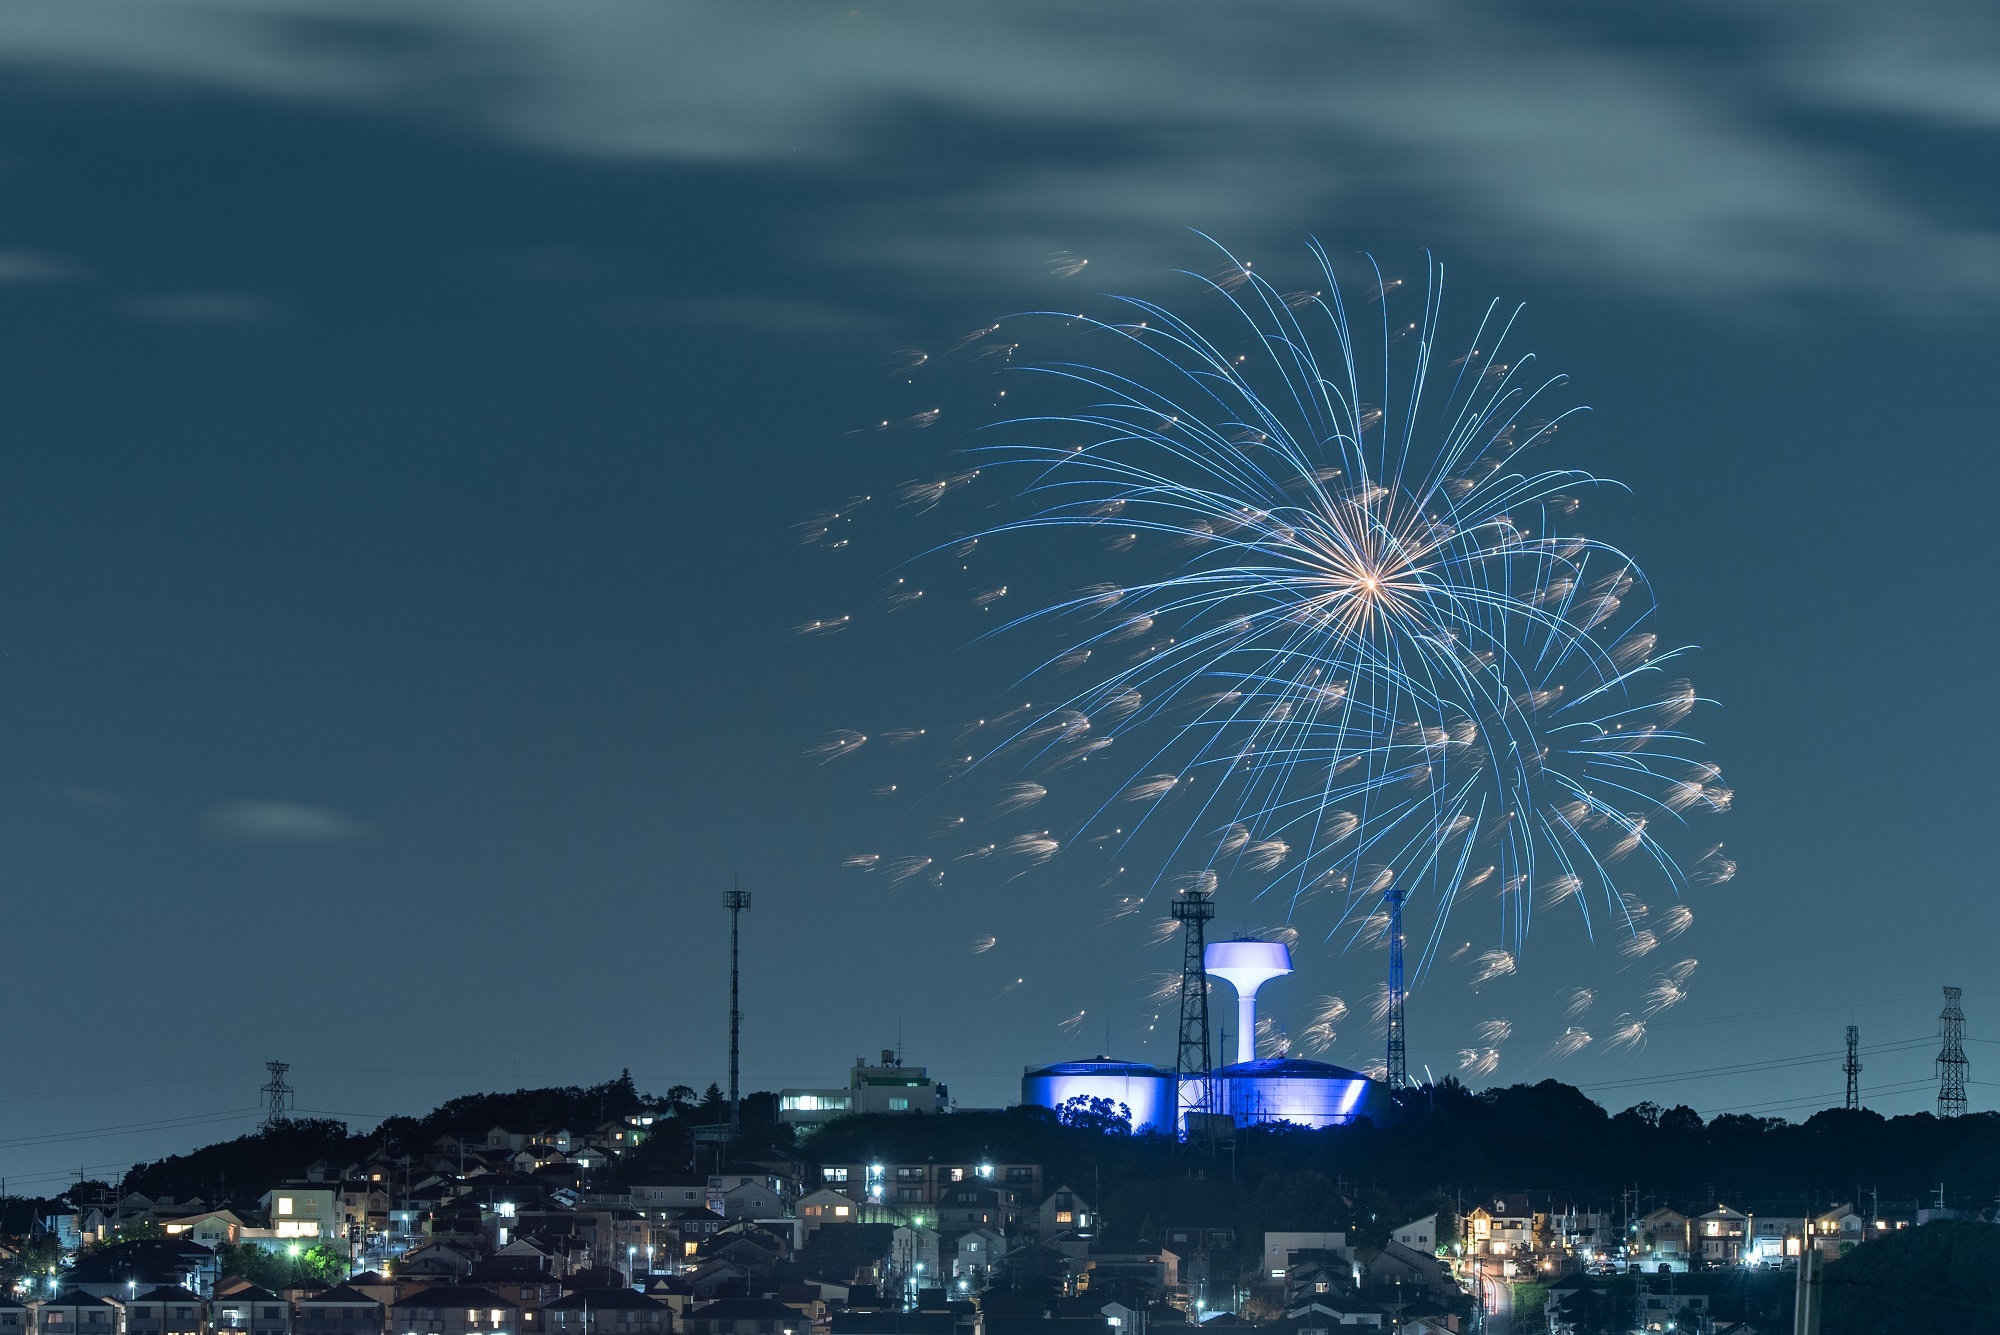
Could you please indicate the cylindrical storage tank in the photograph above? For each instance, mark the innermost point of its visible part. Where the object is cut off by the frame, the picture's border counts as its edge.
(1304, 1093)
(1146, 1090)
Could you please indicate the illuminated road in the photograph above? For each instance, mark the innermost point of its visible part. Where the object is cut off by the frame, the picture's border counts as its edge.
(1499, 1306)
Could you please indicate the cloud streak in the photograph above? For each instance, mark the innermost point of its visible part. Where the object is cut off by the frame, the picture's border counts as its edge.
(1676, 161)
(283, 823)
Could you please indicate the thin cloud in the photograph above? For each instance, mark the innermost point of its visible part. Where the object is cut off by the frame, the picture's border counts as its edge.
(32, 266)
(1688, 170)
(283, 823)
(214, 308)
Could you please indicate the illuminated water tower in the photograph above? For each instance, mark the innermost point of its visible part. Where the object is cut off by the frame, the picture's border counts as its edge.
(1247, 965)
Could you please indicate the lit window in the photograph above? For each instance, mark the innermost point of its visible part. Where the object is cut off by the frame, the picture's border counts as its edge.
(1065, 1216)
(958, 1175)
(834, 1174)
(899, 1105)
(812, 1211)
(840, 1211)
(284, 1205)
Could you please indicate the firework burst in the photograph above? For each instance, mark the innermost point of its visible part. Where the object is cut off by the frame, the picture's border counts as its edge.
(1346, 644)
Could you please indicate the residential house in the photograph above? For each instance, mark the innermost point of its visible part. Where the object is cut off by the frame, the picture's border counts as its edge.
(127, 1268)
(456, 1310)
(1418, 1235)
(752, 1191)
(975, 1254)
(608, 1312)
(1774, 1231)
(1662, 1237)
(1064, 1212)
(1407, 1268)
(304, 1214)
(843, 1253)
(746, 1316)
(1145, 1271)
(962, 1206)
(364, 1207)
(620, 1133)
(1663, 1311)
(1280, 1248)
(1322, 1314)
(252, 1311)
(826, 1206)
(1501, 1226)
(166, 1311)
(668, 1193)
(210, 1228)
(1719, 1235)
(76, 1312)
(522, 1274)
(14, 1316)
(1838, 1230)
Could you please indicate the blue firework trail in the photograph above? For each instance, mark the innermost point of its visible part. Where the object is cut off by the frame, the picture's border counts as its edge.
(1370, 652)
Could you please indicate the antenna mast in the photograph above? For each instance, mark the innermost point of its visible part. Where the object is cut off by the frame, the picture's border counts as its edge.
(737, 901)
(1194, 909)
(1396, 1070)
(1853, 1067)
(1951, 1061)
(277, 1095)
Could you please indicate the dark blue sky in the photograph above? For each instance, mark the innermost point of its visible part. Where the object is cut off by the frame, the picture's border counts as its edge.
(405, 409)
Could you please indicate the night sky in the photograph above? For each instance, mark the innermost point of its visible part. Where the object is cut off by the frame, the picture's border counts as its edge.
(406, 409)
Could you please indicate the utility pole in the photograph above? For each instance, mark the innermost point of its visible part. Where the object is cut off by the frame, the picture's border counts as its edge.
(1396, 1072)
(277, 1095)
(1951, 1061)
(737, 900)
(1853, 1068)
(1811, 1291)
(1194, 909)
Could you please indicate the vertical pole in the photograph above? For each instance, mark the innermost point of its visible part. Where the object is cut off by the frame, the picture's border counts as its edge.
(1396, 1071)
(737, 900)
(1853, 1067)
(1806, 1304)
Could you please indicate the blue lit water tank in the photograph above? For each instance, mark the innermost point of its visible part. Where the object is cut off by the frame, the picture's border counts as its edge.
(1305, 1093)
(1146, 1090)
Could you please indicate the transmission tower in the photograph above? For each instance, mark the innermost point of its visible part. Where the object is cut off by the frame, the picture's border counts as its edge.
(277, 1095)
(1396, 1072)
(737, 901)
(1853, 1068)
(1951, 1061)
(1194, 909)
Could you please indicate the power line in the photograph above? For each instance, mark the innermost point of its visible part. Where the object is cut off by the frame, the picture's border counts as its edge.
(1747, 1068)
(192, 1119)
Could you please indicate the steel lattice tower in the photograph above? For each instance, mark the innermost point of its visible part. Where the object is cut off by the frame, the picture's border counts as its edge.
(1853, 1067)
(277, 1095)
(1951, 1061)
(1396, 1072)
(1194, 909)
(737, 901)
